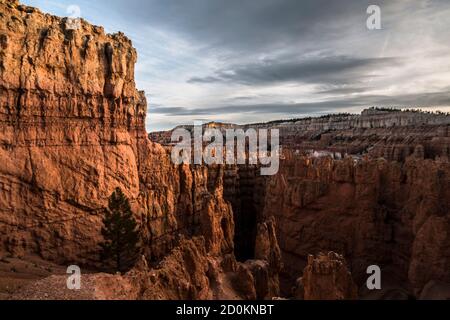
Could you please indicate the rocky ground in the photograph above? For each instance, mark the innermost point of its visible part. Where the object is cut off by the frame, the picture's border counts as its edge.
(189, 272)
(18, 273)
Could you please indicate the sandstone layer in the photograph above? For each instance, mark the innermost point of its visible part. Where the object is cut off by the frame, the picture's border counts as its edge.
(73, 130)
(326, 277)
(373, 211)
(374, 188)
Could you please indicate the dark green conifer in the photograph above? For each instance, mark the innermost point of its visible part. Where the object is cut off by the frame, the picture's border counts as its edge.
(121, 235)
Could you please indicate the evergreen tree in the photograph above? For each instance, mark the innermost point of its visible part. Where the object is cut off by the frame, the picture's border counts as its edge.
(121, 234)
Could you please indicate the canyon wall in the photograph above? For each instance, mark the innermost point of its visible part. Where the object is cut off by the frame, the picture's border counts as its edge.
(373, 211)
(71, 120)
(373, 188)
(392, 134)
(73, 130)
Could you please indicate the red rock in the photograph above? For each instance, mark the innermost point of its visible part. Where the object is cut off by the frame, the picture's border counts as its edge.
(375, 212)
(72, 130)
(326, 277)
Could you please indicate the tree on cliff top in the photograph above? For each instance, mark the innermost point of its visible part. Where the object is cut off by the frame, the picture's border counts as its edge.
(121, 234)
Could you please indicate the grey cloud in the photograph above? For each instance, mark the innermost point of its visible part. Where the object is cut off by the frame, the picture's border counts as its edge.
(208, 79)
(323, 70)
(268, 108)
(344, 90)
(249, 25)
(166, 110)
(320, 42)
(246, 24)
(244, 98)
(432, 99)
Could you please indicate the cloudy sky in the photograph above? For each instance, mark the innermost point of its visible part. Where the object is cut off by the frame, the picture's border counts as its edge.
(257, 60)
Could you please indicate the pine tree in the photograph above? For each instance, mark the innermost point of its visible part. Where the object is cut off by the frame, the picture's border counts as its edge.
(121, 234)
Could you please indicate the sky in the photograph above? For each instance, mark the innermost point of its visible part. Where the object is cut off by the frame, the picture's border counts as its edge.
(246, 61)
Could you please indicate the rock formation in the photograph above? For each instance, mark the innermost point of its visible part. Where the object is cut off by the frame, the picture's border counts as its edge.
(326, 277)
(388, 133)
(72, 127)
(374, 188)
(72, 130)
(372, 211)
(185, 274)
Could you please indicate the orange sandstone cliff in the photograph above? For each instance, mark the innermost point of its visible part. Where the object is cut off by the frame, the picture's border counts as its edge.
(72, 130)
(373, 188)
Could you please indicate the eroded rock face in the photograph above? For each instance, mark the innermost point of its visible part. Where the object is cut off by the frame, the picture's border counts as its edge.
(326, 277)
(372, 187)
(71, 118)
(73, 130)
(373, 211)
(189, 272)
(394, 135)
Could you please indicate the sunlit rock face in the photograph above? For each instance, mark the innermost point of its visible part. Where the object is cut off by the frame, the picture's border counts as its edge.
(70, 116)
(374, 188)
(72, 130)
